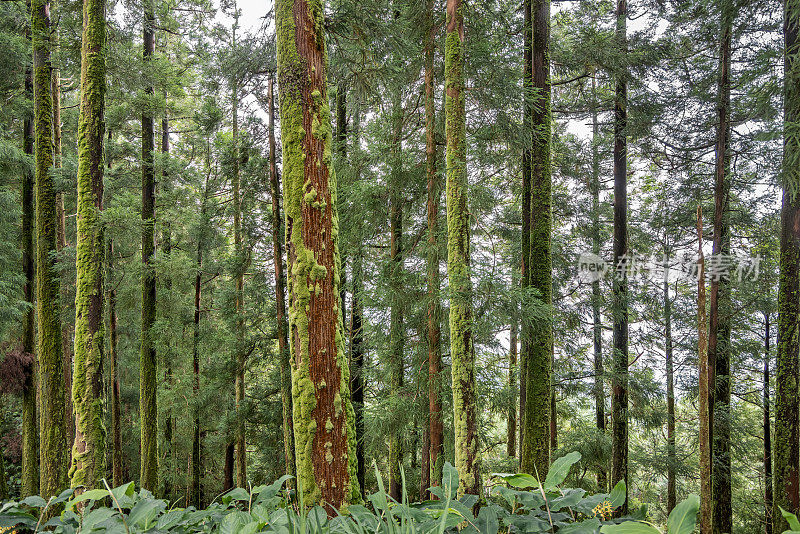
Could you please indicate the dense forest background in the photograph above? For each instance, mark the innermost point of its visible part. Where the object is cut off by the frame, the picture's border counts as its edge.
(216, 331)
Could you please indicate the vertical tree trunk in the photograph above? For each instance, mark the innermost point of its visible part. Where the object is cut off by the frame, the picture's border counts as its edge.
(170, 481)
(619, 404)
(53, 452)
(719, 333)
(30, 421)
(280, 291)
(434, 311)
(787, 434)
(525, 275)
(241, 426)
(597, 325)
(148, 410)
(356, 323)
(462, 350)
(397, 326)
(67, 336)
(672, 461)
(511, 424)
(538, 434)
(325, 439)
(705, 388)
(340, 145)
(767, 434)
(116, 427)
(89, 451)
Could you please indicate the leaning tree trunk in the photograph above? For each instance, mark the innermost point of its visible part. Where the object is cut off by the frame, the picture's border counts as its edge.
(462, 349)
(30, 422)
(53, 444)
(280, 291)
(434, 311)
(325, 439)
(705, 388)
(787, 435)
(767, 434)
(148, 410)
(89, 451)
(719, 333)
(619, 383)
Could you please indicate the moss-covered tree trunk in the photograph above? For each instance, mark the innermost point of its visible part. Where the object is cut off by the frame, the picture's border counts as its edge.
(767, 432)
(397, 335)
(672, 461)
(280, 289)
(705, 388)
(719, 326)
(89, 450)
(434, 311)
(597, 325)
(511, 419)
(526, 330)
(148, 410)
(356, 323)
(113, 338)
(29, 484)
(462, 349)
(787, 409)
(619, 383)
(325, 440)
(53, 444)
(535, 447)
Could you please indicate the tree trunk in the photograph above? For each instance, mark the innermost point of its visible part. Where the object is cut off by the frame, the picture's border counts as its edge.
(325, 439)
(89, 451)
(53, 453)
(719, 332)
(30, 421)
(280, 292)
(525, 275)
(672, 461)
(538, 434)
(705, 388)
(619, 386)
(511, 424)
(462, 350)
(597, 325)
(397, 327)
(787, 410)
(434, 311)
(116, 427)
(148, 410)
(170, 481)
(767, 434)
(356, 326)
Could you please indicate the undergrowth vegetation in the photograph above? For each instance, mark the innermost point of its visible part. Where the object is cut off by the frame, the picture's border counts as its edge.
(513, 503)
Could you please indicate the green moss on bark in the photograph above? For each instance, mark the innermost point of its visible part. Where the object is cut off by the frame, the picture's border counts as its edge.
(462, 349)
(88, 455)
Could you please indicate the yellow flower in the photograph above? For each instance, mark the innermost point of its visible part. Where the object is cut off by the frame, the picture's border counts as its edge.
(604, 510)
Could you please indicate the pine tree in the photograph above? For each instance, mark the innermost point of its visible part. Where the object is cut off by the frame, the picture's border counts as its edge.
(705, 388)
(325, 440)
(462, 350)
(88, 461)
(53, 443)
(113, 343)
